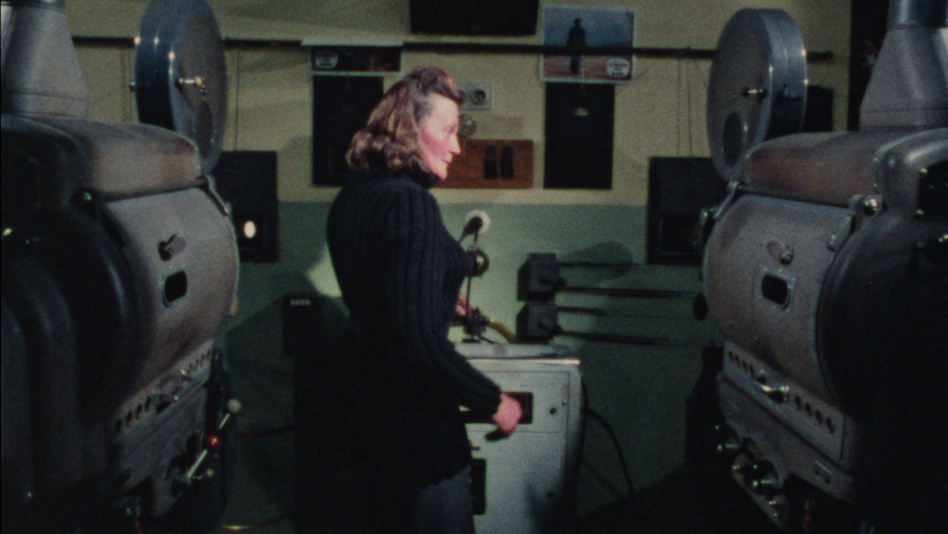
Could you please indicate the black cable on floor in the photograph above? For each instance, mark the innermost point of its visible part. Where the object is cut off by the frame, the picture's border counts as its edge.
(612, 435)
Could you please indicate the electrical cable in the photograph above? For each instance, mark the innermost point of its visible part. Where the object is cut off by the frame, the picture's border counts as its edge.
(237, 101)
(678, 110)
(691, 150)
(615, 440)
(603, 480)
(503, 330)
(273, 520)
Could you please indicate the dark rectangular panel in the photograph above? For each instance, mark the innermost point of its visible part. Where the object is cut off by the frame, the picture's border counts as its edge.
(933, 191)
(474, 17)
(679, 188)
(818, 116)
(579, 131)
(870, 20)
(341, 107)
(479, 485)
(247, 180)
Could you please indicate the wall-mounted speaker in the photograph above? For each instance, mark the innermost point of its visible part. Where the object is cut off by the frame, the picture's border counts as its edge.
(474, 17)
(579, 133)
(341, 107)
(246, 179)
(679, 188)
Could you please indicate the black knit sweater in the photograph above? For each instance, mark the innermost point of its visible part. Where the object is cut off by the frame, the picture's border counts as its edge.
(400, 272)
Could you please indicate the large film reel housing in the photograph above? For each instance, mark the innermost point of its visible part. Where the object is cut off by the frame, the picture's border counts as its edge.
(181, 74)
(757, 86)
(119, 267)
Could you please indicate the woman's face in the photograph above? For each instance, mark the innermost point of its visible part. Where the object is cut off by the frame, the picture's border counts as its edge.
(438, 136)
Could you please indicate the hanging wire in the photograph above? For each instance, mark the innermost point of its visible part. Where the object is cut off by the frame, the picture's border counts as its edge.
(127, 72)
(703, 77)
(237, 100)
(691, 147)
(124, 76)
(678, 109)
(590, 414)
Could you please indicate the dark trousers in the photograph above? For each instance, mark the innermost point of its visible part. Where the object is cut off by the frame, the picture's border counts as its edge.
(377, 507)
(445, 507)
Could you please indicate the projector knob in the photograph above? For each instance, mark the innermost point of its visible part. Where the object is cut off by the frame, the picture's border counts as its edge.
(172, 247)
(212, 442)
(871, 205)
(761, 477)
(234, 406)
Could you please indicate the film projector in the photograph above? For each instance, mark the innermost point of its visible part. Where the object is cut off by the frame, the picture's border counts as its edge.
(119, 266)
(826, 268)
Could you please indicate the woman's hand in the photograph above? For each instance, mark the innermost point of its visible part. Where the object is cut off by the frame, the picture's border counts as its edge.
(507, 416)
(463, 308)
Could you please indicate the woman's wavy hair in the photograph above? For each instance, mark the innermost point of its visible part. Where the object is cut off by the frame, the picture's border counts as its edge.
(388, 143)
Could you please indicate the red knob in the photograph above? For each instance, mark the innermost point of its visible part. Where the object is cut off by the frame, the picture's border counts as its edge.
(212, 442)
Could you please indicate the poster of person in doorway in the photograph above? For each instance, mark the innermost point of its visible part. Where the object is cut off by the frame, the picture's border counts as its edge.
(594, 27)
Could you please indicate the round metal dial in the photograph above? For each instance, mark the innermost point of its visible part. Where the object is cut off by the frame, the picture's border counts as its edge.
(181, 74)
(757, 88)
(466, 126)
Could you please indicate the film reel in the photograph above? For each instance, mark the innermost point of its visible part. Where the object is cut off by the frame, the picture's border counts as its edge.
(757, 88)
(181, 74)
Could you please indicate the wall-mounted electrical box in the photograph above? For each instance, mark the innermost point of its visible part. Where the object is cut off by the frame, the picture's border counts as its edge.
(477, 96)
(492, 164)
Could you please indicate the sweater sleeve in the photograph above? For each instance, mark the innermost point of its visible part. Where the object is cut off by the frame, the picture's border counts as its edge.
(416, 300)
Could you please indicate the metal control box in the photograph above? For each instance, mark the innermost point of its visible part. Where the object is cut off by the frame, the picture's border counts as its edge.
(525, 484)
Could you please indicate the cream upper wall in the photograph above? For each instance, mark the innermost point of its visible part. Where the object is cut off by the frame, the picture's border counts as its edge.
(660, 113)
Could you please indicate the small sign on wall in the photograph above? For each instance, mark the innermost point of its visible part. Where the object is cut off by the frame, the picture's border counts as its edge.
(354, 59)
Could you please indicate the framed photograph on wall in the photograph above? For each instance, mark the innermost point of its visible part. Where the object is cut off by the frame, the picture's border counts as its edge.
(595, 27)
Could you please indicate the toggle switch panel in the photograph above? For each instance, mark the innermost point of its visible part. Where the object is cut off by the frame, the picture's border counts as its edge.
(492, 164)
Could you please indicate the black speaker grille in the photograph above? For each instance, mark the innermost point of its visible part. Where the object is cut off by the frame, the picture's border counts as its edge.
(247, 180)
(474, 17)
(679, 189)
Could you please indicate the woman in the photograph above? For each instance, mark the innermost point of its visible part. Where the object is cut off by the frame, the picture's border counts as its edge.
(400, 271)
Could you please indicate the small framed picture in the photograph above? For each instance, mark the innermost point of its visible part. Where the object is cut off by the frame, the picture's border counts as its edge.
(591, 27)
